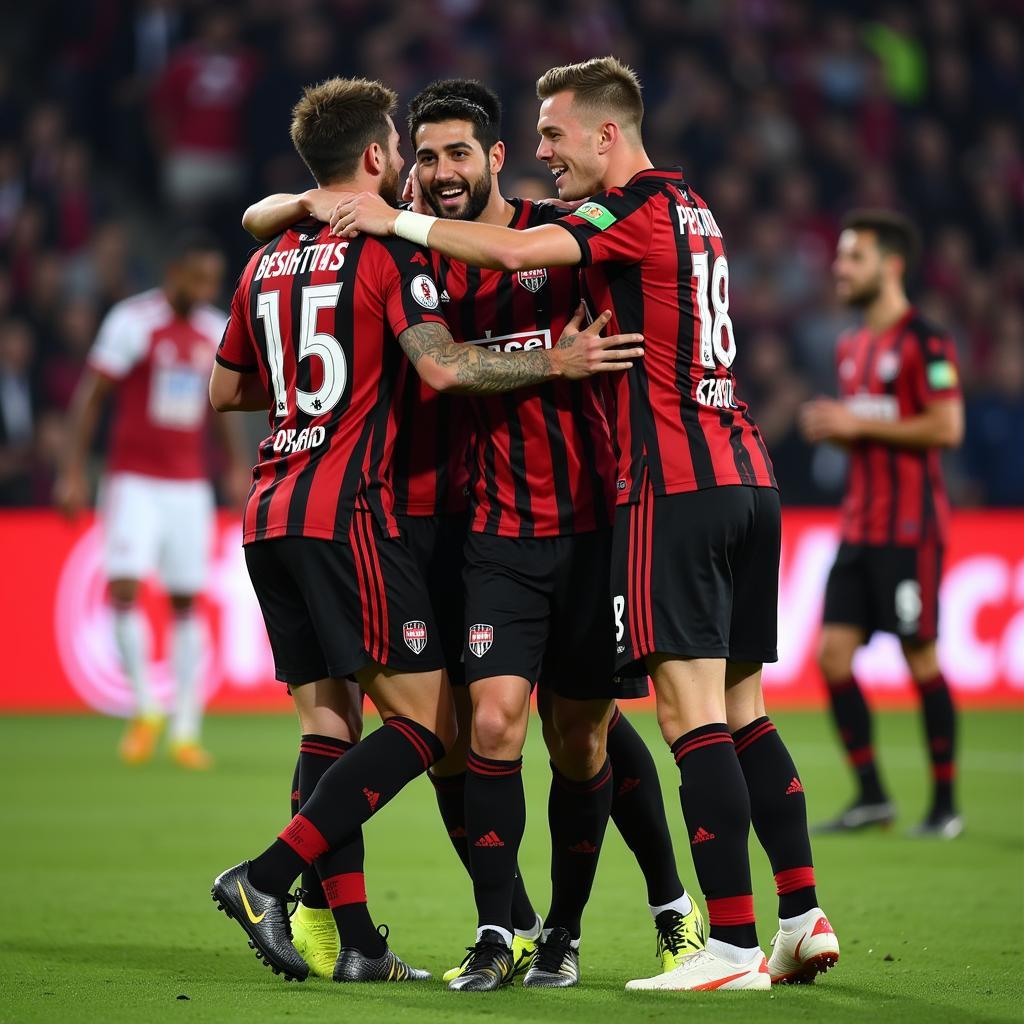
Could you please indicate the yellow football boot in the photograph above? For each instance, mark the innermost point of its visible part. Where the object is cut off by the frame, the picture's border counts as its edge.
(140, 738)
(315, 937)
(679, 935)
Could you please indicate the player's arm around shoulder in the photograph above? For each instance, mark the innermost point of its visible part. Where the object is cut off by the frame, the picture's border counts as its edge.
(480, 245)
(273, 214)
(473, 369)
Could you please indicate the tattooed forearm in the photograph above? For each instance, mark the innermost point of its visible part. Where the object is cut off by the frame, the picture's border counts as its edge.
(474, 369)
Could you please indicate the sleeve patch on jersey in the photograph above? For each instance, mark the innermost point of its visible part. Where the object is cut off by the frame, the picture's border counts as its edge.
(942, 375)
(424, 291)
(598, 215)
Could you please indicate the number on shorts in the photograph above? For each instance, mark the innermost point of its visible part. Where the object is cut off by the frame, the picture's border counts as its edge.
(619, 608)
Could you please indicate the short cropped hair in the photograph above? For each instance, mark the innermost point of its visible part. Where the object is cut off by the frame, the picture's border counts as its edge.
(603, 85)
(336, 120)
(895, 233)
(458, 99)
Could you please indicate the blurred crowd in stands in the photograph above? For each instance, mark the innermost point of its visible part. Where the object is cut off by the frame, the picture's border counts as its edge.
(120, 121)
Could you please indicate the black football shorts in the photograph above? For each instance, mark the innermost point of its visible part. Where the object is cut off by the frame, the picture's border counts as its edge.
(891, 588)
(332, 608)
(436, 543)
(538, 608)
(696, 575)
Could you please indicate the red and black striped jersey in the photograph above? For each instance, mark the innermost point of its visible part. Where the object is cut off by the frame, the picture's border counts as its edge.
(654, 255)
(318, 317)
(430, 468)
(895, 495)
(542, 462)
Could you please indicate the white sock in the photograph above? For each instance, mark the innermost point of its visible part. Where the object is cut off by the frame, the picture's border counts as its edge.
(683, 905)
(533, 934)
(738, 955)
(790, 924)
(503, 932)
(186, 653)
(132, 642)
(546, 934)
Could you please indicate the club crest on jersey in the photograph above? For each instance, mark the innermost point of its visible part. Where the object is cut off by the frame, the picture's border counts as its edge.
(424, 291)
(888, 366)
(414, 633)
(532, 280)
(481, 636)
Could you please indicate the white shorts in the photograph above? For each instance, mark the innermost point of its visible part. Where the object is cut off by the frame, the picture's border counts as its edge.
(156, 525)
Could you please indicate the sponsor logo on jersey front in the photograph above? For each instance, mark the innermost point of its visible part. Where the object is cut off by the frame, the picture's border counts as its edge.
(524, 341)
(414, 633)
(424, 291)
(481, 636)
(532, 280)
(884, 408)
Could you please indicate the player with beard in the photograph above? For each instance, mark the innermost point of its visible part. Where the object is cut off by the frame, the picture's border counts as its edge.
(316, 335)
(899, 406)
(697, 528)
(541, 496)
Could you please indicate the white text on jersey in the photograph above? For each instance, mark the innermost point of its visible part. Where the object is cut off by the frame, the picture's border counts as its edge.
(525, 341)
(697, 220)
(288, 441)
(326, 256)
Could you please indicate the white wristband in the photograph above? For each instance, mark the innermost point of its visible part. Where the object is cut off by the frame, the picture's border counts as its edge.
(413, 227)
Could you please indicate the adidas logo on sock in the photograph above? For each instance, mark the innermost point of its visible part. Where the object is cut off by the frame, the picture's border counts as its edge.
(372, 797)
(457, 833)
(794, 787)
(492, 839)
(295, 795)
(628, 785)
(586, 846)
(702, 835)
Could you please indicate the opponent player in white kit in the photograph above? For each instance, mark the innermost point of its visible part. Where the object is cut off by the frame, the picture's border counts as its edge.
(154, 352)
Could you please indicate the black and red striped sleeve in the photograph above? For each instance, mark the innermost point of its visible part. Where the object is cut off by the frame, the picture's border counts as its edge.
(408, 288)
(613, 227)
(934, 367)
(237, 350)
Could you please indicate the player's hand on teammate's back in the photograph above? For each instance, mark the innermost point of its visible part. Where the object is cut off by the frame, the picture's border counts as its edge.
(825, 419)
(583, 352)
(70, 492)
(362, 211)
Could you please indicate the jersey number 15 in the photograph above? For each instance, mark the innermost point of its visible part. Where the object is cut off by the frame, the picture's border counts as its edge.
(325, 347)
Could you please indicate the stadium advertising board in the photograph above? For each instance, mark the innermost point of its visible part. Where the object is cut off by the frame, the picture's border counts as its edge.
(60, 654)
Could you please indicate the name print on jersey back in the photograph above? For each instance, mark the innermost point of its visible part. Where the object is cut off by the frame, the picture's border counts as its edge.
(319, 318)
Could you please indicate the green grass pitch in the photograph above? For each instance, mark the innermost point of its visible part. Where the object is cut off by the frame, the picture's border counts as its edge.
(107, 914)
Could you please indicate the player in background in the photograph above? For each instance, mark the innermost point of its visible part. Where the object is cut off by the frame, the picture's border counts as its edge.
(557, 432)
(316, 335)
(697, 530)
(899, 407)
(153, 355)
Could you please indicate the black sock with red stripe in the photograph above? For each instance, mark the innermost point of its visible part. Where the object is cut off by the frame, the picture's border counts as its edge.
(778, 812)
(350, 791)
(316, 755)
(495, 822)
(638, 811)
(852, 717)
(451, 802)
(940, 731)
(577, 817)
(716, 807)
(344, 887)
